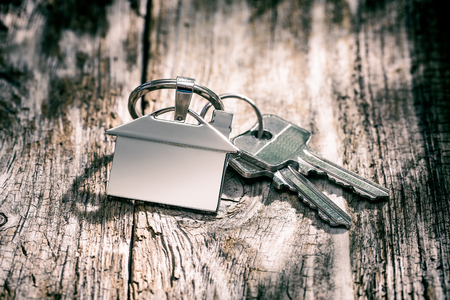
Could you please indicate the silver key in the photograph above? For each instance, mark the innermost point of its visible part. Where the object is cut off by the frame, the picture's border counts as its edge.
(296, 182)
(284, 144)
(287, 177)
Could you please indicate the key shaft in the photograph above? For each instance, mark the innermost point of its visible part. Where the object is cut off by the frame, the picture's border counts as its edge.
(328, 210)
(288, 146)
(343, 176)
(296, 182)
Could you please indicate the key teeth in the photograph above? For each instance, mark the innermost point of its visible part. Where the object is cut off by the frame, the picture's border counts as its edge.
(354, 189)
(370, 196)
(339, 181)
(331, 222)
(309, 203)
(322, 215)
(325, 218)
(364, 194)
(279, 184)
(307, 167)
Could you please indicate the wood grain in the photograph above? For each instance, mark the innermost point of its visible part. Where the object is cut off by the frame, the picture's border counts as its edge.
(67, 71)
(369, 80)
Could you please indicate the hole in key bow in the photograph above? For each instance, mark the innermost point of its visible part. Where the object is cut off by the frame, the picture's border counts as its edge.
(265, 136)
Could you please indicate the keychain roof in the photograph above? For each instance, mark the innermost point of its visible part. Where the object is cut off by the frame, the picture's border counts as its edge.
(202, 136)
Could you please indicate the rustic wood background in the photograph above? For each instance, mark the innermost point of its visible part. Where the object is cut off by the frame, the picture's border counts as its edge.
(369, 79)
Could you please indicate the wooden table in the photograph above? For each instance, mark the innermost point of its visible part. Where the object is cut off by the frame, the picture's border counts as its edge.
(370, 80)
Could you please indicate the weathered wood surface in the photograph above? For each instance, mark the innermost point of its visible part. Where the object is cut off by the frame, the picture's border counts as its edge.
(369, 80)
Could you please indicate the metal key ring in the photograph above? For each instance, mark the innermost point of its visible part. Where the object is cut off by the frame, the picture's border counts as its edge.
(246, 99)
(172, 108)
(169, 84)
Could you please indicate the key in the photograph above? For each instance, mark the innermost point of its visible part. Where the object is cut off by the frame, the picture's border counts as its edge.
(287, 177)
(296, 182)
(286, 144)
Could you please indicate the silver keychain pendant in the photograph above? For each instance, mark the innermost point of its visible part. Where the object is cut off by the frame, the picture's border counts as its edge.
(172, 162)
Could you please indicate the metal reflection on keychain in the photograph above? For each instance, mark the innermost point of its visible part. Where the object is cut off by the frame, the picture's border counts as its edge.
(172, 162)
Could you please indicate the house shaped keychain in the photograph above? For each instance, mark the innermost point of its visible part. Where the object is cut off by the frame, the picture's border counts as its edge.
(172, 162)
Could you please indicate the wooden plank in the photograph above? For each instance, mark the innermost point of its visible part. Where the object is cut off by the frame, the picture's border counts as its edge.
(67, 68)
(265, 243)
(348, 73)
(368, 79)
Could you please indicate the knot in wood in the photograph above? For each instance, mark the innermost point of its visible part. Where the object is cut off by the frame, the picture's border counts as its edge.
(3, 219)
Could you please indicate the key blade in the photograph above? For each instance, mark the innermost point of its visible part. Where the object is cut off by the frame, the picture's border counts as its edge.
(343, 176)
(327, 209)
(288, 146)
(294, 181)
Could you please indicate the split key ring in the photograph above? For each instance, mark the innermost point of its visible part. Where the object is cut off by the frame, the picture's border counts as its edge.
(184, 89)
